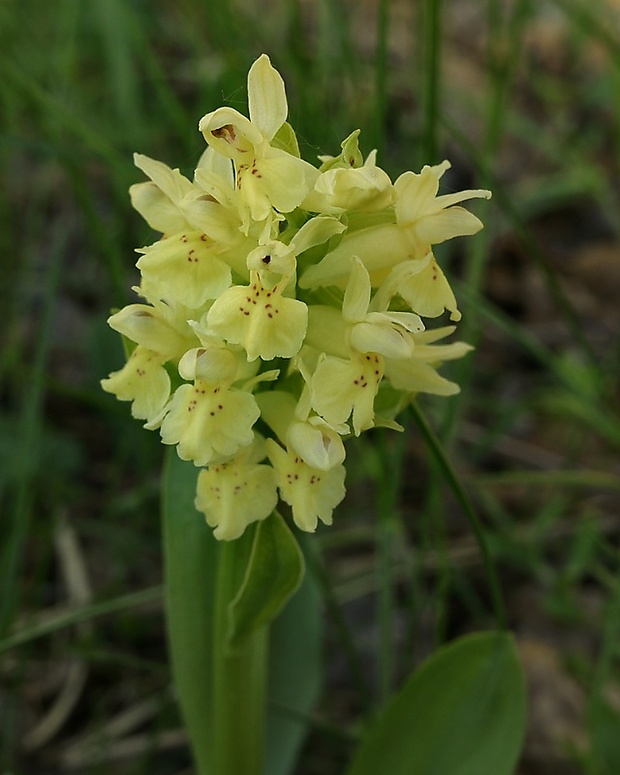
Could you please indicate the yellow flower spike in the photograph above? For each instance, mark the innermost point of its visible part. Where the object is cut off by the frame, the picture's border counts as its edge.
(143, 381)
(232, 495)
(263, 256)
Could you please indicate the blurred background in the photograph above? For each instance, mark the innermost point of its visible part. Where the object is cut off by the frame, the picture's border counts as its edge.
(524, 99)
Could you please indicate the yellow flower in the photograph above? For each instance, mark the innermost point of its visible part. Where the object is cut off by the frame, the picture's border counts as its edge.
(267, 177)
(371, 330)
(422, 219)
(430, 219)
(311, 493)
(262, 320)
(309, 436)
(340, 387)
(347, 184)
(144, 381)
(423, 285)
(209, 421)
(232, 495)
(187, 267)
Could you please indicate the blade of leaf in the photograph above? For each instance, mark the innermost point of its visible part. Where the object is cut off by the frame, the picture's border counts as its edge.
(463, 713)
(274, 573)
(295, 675)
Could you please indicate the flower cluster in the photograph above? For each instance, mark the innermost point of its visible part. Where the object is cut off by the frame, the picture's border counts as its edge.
(283, 309)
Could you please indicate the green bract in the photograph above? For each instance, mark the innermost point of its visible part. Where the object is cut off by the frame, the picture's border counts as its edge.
(272, 270)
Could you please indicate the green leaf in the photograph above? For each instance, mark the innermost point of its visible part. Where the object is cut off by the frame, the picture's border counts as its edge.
(462, 713)
(286, 140)
(603, 726)
(273, 574)
(295, 675)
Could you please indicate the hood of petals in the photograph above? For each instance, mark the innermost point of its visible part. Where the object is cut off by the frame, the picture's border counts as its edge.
(143, 325)
(230, 133)
(318, 445)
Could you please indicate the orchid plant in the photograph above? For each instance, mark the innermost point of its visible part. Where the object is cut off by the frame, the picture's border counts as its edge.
(285, 309)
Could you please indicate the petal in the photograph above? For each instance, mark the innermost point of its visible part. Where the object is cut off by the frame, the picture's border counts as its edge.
(415, 194)
(385, 339)
(142, 380)
(214, 365)
(415, 376)
(145, 325)
(235, 494)
(170, 181)
(156, 208)
(266, 97)
(265, 323)
(209, 425)
(378, 247)
(215, 167)
(219, 222)
(188, 267)
(447, 200)
(446, 224)
(357, 294)
(316, 231)
(283, 179)
(427, 291)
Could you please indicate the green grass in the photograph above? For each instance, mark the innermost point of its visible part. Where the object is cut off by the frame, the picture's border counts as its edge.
(523, 101)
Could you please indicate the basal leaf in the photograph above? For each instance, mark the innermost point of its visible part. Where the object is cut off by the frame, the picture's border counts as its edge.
(462, 713)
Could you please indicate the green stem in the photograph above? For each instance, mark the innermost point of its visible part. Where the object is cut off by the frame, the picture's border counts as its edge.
(453, 480)
(239, 678)
(221, 693)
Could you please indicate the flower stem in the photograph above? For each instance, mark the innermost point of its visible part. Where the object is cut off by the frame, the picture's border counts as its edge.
(221, 693)
(239, 680)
